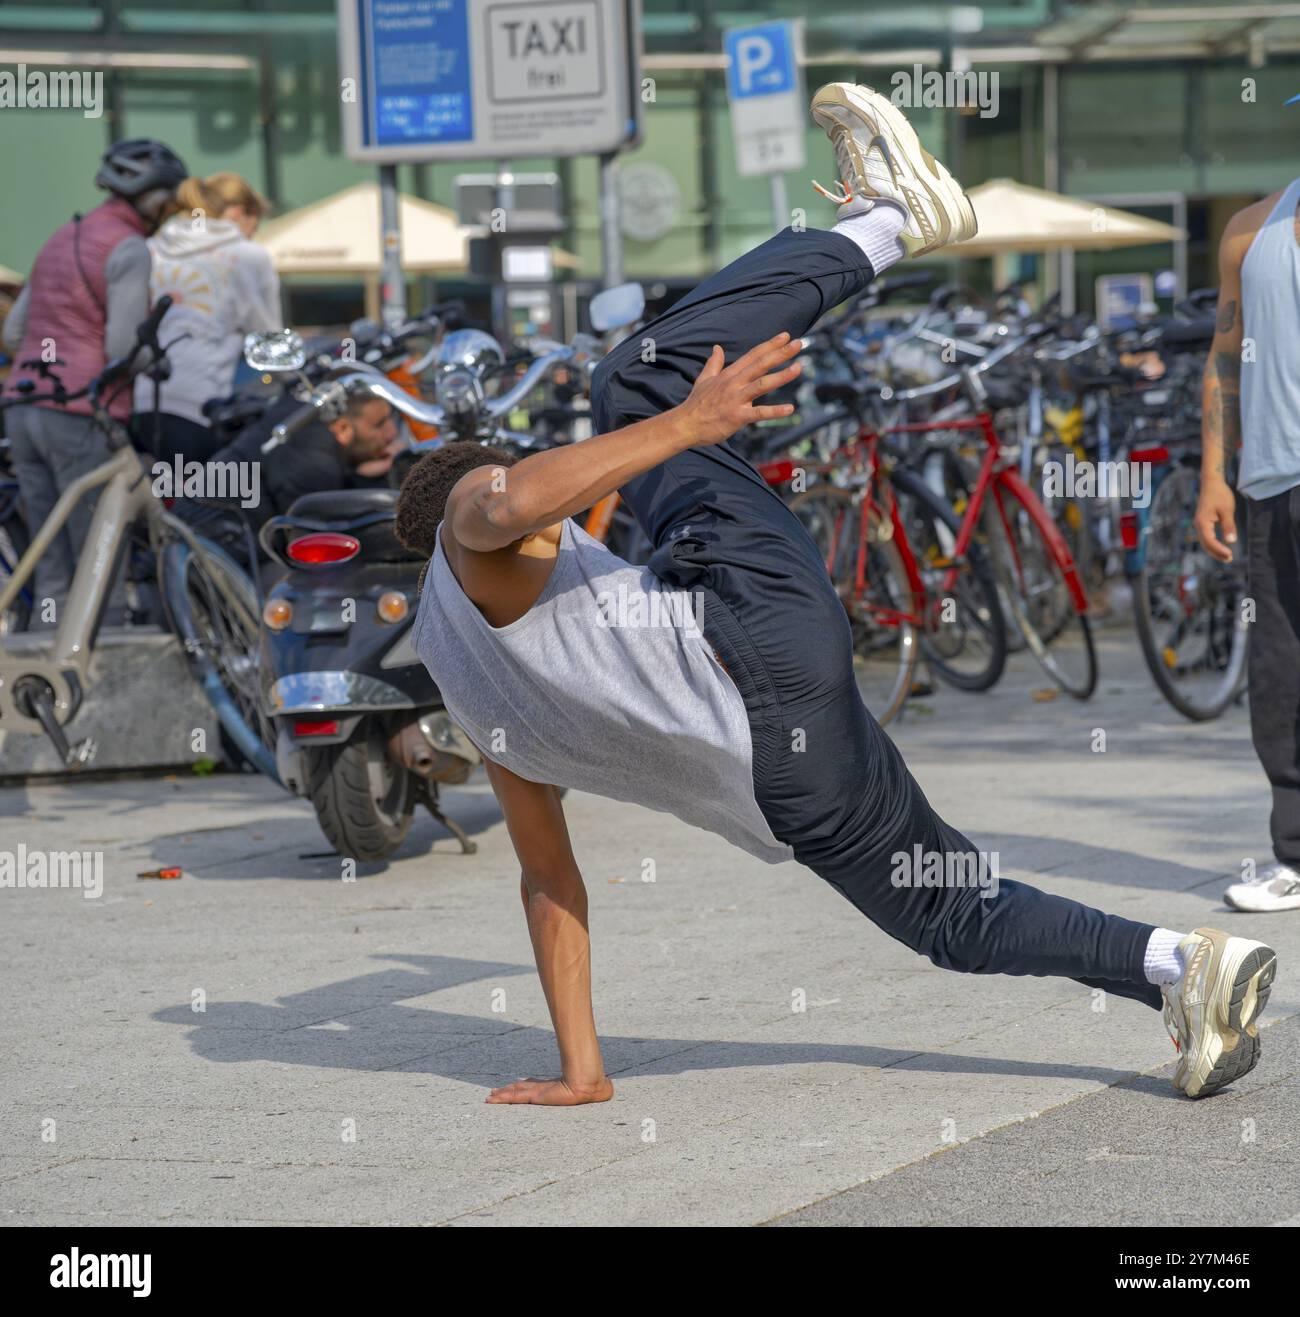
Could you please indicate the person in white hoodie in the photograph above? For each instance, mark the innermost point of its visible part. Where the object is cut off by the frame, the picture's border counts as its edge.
(222, 287)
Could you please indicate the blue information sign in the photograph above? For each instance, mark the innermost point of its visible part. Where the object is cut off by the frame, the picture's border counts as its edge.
(488, 79)
(415, 72)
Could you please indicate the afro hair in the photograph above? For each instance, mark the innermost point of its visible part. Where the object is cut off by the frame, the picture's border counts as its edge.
(422, 502)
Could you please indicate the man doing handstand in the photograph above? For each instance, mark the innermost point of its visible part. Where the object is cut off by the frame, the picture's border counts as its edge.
(744, 717)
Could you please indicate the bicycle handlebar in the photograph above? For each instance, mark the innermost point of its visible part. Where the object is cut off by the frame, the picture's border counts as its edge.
(962, 376)
(58, 396)
(541, 369)
(146, 336)
(146, 332)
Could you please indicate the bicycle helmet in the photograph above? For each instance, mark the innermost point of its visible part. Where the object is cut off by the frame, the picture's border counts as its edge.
(140, 165)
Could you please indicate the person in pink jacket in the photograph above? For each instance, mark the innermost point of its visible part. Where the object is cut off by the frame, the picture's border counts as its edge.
(88, 290)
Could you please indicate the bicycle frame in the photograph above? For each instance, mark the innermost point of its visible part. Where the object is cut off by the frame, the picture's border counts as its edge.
(997, 477)
(1000, 476)
(64, 666)
(601, 517)
(878, 485)
(863, 449)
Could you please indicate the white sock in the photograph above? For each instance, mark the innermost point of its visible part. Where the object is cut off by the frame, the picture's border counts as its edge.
(1161, 962)
(875, 232)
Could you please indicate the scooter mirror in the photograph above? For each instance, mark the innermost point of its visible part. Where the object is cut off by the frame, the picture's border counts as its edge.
(282, 351)
(616, 307)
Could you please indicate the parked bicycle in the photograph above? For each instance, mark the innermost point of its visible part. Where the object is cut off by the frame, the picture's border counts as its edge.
(933, 570)
(212, 604)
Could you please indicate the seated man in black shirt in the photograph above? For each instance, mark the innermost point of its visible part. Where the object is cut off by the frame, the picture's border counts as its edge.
(354, 452)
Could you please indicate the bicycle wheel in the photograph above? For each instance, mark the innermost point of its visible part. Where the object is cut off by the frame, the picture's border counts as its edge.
(1042, 588)
(950, 475)
(1188, 606)
(1077, 518)
(213, 609)
(965, 634)
(882, 613)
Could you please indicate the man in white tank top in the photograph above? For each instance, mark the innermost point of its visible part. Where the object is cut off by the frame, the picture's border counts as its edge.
(1252, 406)
(761, 676)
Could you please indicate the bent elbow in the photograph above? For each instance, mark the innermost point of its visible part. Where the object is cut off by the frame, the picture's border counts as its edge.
(485, 522)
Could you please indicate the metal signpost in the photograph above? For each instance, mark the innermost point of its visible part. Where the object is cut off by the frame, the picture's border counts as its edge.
(768, 105)
(429, 80)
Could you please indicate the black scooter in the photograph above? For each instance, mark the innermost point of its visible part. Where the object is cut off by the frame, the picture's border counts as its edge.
(360, 726)
(361, 729)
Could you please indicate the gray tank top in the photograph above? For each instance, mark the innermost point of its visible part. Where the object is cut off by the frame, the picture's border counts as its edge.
(1270, 385)
(605, 685)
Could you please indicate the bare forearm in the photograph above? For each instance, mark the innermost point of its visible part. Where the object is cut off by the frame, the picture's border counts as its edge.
(547, 487)
(1221, 397)
(557, 924)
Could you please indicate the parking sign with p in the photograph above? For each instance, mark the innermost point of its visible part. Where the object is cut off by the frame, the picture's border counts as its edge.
(765, 88)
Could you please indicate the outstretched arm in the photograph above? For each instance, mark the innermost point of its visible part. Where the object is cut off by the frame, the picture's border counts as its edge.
(1216, 512)
(485, 513)
(555, 902)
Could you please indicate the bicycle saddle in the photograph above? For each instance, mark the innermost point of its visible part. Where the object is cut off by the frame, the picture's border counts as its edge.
(1188, 333)
(847, 391)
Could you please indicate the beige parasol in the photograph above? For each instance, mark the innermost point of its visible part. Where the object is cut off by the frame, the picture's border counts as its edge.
(1014, 217)
(339, 236)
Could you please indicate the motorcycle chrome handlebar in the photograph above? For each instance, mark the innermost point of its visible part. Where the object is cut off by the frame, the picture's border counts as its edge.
(357, 377)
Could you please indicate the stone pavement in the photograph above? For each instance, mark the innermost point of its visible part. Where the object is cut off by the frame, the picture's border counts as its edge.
(351, 1030)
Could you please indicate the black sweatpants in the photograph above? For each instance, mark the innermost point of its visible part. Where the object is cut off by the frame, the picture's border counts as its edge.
(1273, 561)
(829, 781)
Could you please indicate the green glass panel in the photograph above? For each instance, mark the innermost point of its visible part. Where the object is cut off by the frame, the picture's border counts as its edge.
(34, 142)
(209, 119)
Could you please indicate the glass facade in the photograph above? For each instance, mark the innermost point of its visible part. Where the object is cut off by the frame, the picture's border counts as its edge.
(253, 87)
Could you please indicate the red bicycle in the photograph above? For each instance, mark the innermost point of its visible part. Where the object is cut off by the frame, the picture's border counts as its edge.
(901, 595)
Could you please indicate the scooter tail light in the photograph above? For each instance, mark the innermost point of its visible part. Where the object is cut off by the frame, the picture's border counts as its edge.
(324, 547)
(316, 727)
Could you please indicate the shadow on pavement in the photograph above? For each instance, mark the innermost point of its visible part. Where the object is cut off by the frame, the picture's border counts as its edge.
(361, 1024)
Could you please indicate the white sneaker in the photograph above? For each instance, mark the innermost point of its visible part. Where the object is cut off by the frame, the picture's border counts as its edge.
(879, 155)
(1211, 1012)
(1274, 888)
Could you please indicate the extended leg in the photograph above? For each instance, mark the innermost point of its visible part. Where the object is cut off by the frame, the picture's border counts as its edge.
(838, 791)
(786, 283)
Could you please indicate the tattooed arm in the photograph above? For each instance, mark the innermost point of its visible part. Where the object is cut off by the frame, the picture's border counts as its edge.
(1216, 513)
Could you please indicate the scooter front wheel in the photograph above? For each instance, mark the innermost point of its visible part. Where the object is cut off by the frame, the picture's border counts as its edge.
(363, 801)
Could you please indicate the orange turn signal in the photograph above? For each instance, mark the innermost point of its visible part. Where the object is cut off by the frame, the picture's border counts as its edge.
(393, 606)
(277, 614)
